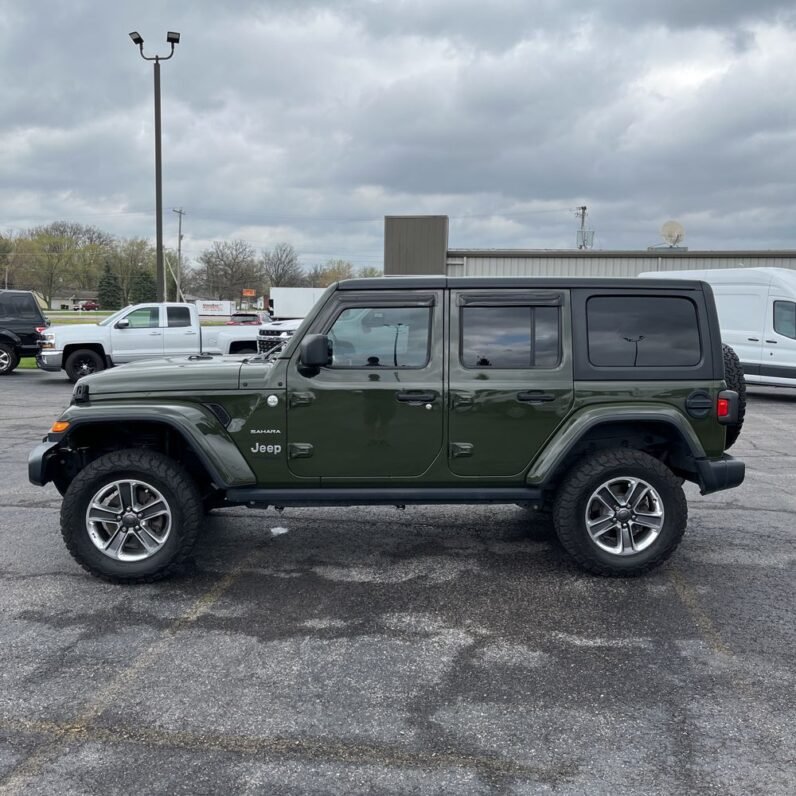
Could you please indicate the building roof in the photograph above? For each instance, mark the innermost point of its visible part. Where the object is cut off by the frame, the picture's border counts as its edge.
(665, 252)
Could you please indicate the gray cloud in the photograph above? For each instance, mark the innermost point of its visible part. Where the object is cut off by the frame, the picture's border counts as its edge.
(309, 121)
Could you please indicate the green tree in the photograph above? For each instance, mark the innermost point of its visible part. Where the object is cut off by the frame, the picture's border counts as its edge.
(143, 287)
(130, 257)
(369, 272)
(109, 292)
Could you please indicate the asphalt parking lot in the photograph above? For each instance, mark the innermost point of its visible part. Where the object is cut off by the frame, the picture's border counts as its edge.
(371, 650)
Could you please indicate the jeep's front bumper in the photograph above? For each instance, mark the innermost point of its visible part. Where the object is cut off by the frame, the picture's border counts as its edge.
(39, 460)
(713, 475)
(50, 360)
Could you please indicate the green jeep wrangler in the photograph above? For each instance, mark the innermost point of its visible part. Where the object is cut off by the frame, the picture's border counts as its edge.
(588, 400)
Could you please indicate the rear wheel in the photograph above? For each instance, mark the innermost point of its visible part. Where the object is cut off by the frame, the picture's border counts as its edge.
(620, 513)
(83, 362)
(733, 375)
(8, 359)
(131, 516)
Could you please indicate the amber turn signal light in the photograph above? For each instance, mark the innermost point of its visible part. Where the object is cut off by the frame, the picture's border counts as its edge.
(59, 426)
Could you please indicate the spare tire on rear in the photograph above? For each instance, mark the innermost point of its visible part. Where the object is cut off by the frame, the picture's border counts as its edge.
(733, 375)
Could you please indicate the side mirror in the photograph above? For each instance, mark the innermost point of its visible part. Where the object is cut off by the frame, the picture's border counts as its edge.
(122, 324)
(315, 351)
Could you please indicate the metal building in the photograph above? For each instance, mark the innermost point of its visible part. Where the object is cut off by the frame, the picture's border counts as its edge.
(419, 245)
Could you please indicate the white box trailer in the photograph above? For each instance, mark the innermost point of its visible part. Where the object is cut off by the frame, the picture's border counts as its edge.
(293, 302)
(757, 316)
(220, 307)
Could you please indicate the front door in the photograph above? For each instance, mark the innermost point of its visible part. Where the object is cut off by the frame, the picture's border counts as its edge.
(377, 410)
(510, 378)
(142, 338)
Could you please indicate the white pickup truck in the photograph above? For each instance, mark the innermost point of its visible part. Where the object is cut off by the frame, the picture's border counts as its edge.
(142, 331)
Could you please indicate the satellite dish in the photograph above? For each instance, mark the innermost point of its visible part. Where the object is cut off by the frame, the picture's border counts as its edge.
(672, 232)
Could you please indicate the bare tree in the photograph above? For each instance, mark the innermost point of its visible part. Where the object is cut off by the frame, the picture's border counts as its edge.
(281, 267)
(226, 268)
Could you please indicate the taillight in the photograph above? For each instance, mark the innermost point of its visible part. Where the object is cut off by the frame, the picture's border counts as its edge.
(723, 407)
(41, 329)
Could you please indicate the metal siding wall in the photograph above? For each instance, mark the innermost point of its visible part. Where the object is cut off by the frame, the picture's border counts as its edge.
(601, 266)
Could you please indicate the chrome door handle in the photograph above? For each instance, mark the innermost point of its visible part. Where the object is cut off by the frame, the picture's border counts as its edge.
(154, 334)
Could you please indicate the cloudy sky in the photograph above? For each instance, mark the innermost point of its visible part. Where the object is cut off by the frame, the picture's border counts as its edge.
(307, 121)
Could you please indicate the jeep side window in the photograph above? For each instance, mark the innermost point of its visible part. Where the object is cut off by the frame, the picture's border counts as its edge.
(178, 316)
(785, 318)
(144, 318)
(509, 337)
(642, 331)
(381, 337)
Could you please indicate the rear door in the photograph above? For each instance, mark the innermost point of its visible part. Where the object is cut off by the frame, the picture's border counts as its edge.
(510, 375)
(180, 337)
(141, 339)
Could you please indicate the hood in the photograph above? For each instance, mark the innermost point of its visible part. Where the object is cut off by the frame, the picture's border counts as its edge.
(283, 326)
(77, 328)
(172, 374)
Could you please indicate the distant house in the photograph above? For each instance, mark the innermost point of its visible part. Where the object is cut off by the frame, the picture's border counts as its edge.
(72, 301)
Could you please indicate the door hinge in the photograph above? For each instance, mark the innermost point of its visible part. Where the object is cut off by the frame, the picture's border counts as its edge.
(301, 398)
(459, 449)
(299, 450)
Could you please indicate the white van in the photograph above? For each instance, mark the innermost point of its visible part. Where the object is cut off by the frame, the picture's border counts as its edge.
(757, 315)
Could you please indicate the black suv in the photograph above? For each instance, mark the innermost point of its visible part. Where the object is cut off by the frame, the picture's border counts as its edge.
(21, 324)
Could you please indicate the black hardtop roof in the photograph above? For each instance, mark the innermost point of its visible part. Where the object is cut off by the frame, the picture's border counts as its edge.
(497, 282)
(13, 290)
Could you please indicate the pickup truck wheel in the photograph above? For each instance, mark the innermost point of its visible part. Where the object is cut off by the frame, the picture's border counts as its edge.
(131, 516)
(620, 513)
(8, 359)
(733, 375)
(83, 362)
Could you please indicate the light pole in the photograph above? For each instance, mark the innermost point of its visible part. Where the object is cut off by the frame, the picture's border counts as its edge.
(172, 38)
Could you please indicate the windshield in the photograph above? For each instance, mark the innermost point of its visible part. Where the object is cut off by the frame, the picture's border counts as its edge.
(112, 318)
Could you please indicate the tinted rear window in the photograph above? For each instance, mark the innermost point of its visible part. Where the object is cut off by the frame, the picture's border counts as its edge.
(510, 337)
(20, 306)
(642, 331)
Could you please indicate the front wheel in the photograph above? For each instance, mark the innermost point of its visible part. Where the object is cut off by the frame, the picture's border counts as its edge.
(620, 513)
(131, 516)
(83, 362)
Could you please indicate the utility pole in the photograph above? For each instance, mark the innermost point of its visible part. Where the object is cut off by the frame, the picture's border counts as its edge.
(180, 212)
(585, 237)
(172, 38)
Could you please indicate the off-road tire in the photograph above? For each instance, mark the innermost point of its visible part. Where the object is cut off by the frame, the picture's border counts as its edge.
(163, 473)
(569, 511)
(733, 375)
(9, 359)
(71, 366)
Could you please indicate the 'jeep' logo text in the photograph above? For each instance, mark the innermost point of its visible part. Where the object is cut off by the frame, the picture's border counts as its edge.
(272, 449)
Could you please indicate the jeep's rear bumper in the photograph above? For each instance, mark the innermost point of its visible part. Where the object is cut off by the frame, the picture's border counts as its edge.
(715, 475)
